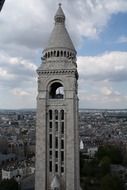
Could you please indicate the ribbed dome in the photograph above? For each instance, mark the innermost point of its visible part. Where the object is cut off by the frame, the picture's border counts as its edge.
(59, 37)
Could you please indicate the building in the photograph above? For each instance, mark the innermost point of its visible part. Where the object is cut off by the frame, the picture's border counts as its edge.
(92, 151)
(5, 158)
(57, 133)
(8, 174)
(16, 170)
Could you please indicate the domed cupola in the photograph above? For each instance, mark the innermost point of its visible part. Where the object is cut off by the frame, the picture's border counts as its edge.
(60, 43)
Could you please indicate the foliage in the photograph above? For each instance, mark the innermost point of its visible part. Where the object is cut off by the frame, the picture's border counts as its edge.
(95, 173)
(8, 184)
(87, 168)
(109, 182)
(105, 165)
(113, 152)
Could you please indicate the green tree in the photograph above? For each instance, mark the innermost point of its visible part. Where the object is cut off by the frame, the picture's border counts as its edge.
(109, 182)
(105, 166)
(113, 152)
(81, 164)
(8, 184)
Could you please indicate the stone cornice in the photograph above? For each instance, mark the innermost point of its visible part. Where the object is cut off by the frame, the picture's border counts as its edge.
(58, 60)
(58, 71)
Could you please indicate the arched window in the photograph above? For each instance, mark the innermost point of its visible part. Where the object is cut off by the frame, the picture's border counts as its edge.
(50, 140)
(56, 91)
(62, 128)
(50, 114)
(57, 53)
(61, 53)
(62, 114)
(56, 114)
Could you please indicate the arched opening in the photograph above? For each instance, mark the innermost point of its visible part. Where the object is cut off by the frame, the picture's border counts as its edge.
(56, 114)
(57, 53)
(62, 114)
(56, 91)
(50, 114)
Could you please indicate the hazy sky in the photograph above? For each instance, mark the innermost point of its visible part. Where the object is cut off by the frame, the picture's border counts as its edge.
(98, 29)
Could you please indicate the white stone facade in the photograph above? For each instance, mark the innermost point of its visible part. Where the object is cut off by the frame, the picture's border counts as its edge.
(8, 174)
(57, 133)
(14, 172)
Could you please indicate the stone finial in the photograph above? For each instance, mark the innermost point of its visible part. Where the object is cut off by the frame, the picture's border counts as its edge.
(59, 17)
(60, 4)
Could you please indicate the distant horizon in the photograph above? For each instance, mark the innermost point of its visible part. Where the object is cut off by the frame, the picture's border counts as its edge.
(2, 109)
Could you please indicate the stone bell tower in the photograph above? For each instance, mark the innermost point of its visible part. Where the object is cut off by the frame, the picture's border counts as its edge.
(57, 133)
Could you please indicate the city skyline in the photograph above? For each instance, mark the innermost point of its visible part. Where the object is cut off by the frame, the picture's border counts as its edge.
(99, 32)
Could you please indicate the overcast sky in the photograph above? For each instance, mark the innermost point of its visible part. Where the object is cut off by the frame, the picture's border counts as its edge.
(98, 29)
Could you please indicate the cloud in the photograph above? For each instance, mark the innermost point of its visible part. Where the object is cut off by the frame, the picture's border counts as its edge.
(110, 66)
(25, 26)
(102, 101)
(16, 71)
(106, 91)
(20, 92)
(100, 78)
(102, 97)
(3, 72)
(30, 27)
(90, 17)
(109, 91)
(122, 39)
(25, 64)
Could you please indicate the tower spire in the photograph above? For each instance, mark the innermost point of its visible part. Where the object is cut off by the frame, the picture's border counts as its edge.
(60, 4)
(59, 40)
(59, 16)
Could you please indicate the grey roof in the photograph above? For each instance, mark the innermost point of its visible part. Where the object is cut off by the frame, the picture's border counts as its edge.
(59, 37)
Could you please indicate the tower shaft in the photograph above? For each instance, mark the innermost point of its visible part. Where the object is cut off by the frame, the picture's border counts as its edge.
(57, 134)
